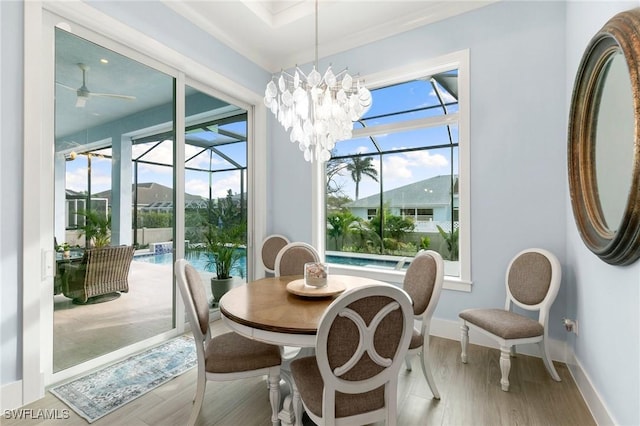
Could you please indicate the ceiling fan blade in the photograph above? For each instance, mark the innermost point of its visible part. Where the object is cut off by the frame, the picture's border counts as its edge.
(67, 87)
(113, 95)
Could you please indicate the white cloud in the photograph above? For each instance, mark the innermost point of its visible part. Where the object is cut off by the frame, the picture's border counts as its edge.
(76, 180)
(397, 167)
(425, 158)
(197, 187)
(162, 153)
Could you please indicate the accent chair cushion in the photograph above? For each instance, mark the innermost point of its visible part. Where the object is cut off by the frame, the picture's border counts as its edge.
(231, 352)
(310, 385)
(292, 262)
(505, 324)
(417, 340)
(196, 288)
(419, 281)
(529, 278)
(270, 250)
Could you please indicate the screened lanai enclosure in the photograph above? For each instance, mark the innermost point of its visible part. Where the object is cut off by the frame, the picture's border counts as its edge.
(114, 184)
(393, 188)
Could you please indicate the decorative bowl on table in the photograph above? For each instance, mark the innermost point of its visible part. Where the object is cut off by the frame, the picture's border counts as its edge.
(315, 274)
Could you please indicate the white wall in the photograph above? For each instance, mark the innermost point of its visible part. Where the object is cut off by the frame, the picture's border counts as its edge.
(605, 299)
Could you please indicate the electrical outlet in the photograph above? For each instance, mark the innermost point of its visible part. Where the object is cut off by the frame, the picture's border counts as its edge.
(570, 325)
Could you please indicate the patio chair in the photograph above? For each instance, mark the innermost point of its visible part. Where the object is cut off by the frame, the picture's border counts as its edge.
(271, 246)
(291, 259)
(532, 281)
(423, 282)
(228, 356)
(362, 341)
(100, 276)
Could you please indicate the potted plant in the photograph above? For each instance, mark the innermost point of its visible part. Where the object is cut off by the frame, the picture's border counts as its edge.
(451, 263)
(97, 228)
(65, 249)
(222, 255)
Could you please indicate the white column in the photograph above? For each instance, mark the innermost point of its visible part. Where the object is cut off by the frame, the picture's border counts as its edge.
(59, 197)
(121, 194)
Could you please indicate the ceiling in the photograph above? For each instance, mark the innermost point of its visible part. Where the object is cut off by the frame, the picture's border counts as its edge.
(272, 33)
(278, 34)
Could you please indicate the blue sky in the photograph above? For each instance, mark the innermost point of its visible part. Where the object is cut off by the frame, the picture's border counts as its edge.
(399, 169)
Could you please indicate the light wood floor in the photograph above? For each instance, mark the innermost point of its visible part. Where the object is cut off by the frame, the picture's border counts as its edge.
(471, 395)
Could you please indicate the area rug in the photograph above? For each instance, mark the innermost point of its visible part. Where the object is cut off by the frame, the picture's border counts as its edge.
(101, 392)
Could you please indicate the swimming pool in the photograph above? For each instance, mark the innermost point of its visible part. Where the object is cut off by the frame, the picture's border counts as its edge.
(199, 261)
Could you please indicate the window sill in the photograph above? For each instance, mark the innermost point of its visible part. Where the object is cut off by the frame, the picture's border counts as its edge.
(395, 277)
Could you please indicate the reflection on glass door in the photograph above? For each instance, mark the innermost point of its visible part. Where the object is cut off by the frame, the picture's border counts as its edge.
(114, 193)
(216, 191)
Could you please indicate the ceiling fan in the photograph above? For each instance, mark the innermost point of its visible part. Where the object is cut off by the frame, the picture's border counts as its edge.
(83, 93)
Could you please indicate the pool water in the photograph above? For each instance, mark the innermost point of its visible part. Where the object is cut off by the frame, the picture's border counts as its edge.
(200, 260)
(197, 260)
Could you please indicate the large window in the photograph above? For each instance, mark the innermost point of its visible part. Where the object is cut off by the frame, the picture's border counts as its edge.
(394, 188)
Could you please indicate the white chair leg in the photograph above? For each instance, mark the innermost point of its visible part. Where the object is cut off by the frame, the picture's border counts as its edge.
(407, 361)
(548, 362)
(425, 359)
(274, 396)
(198, 399)
(505, 366)
(297, 406)
(464, 341)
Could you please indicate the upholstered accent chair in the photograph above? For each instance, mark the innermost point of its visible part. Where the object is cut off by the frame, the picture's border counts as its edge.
(291, 259)
(271, 246)
(532, 281)
(361, 343)
(102, 271)
(423, 282)
(229, 356)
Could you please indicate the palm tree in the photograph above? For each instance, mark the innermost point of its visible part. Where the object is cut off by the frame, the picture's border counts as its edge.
(359, 166)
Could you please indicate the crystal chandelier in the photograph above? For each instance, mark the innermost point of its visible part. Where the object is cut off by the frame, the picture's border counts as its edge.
(319, 110)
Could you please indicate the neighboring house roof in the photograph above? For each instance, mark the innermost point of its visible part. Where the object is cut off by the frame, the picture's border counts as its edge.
(428, 192)
(152, 192)
(70, 193)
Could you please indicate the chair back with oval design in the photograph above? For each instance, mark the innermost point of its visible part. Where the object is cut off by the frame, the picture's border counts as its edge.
(291, 259)
(271, 246)
(362, 340)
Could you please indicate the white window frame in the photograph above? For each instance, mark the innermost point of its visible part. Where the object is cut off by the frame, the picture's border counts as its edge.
(457, 60)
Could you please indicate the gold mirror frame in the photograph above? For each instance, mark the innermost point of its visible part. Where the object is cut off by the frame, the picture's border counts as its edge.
(622, 246)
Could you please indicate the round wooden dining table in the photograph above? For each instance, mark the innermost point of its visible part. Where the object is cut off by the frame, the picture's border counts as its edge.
(265, 310)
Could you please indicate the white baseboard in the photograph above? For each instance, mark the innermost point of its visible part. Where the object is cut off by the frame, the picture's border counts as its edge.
(11, 396)
(560, 351)
(451, 330)
(595, 403)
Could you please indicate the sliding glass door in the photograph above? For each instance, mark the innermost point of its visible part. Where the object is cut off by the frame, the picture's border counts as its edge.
(216, 191)
(114, 192)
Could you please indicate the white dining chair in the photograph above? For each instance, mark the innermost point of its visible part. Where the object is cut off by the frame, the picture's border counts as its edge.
(361, 343)
(423, 282)
(226, 357)
(532, 281)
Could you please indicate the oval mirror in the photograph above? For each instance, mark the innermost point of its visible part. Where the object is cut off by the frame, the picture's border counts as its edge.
(604, 144)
